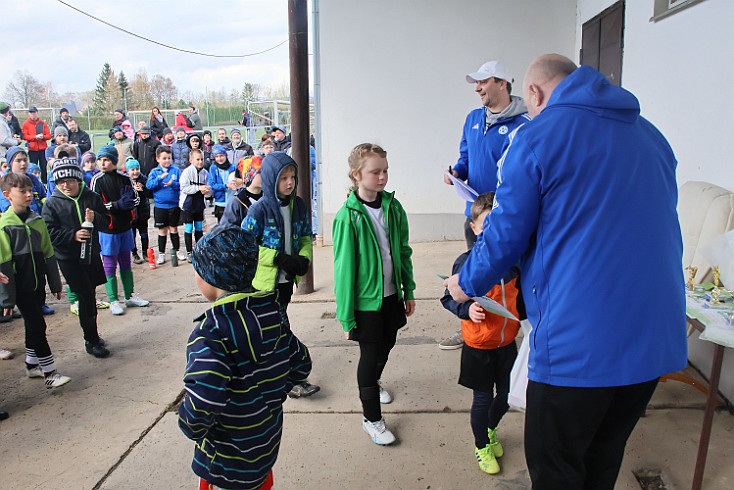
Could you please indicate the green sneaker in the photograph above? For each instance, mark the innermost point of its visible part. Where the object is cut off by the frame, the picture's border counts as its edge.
(495, 444)
(487, 462)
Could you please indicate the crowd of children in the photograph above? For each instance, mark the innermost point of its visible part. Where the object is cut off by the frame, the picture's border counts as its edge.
(247, 266)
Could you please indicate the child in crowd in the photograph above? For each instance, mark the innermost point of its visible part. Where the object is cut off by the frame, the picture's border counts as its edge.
(64, 150)
(281, 226)
(167, 138)
(89, 165)
(123, 144)
(218, 179)
(371, 234)
(61, 136)
(35, 170)
(267, 147)
(236, 209)
(65, 210)
(116, 236)
(164, 182)
(207, 146)
(489, 350)
(4, 168)
(26, 260)
(142, 210)
(242, 358)
(194, 189)
(18, 163)
(180, 150)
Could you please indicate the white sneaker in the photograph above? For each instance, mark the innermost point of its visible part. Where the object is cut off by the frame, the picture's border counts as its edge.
(116, 308)
(385, 396)
(56, 380)
(34, 372)
(135, 300)
(378, 432)
(5, 354)
(161, 259)
(75, 308)
(181, 255)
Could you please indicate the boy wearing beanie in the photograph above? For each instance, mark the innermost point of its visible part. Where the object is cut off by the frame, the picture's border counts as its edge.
(66, 209)
(61, 136)
(18, 163)
(249, 172)
(218, 178)
(116, 236)
(123, 144)
(242, 360)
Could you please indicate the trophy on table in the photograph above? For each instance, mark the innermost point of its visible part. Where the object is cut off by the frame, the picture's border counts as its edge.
(691, 277)
(715, 293)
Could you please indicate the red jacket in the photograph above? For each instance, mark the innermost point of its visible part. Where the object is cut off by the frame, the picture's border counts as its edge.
(31, 129)
(182, 120)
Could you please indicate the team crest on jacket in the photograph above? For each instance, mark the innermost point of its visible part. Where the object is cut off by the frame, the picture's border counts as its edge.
(502, 130)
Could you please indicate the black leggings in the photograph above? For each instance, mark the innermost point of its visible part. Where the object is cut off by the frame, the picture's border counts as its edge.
(486, 413)
(29, 303)
(372, 360)
(376, 332)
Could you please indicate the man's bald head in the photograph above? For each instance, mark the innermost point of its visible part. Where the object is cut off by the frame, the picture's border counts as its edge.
(542, 77)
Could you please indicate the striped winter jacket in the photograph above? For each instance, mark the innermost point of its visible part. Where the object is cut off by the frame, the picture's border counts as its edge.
(242, 359)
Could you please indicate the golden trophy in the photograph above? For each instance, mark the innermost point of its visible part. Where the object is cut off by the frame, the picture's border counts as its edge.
(691, 277)
(717, 274)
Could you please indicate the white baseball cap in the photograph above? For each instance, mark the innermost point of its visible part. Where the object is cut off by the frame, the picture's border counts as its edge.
(491, 69)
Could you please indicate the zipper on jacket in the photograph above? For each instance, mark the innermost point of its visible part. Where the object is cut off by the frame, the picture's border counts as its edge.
(504, 303)
(33, 260)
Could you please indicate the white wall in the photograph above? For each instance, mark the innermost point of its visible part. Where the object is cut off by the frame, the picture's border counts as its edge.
(392, 72)
(680, 69)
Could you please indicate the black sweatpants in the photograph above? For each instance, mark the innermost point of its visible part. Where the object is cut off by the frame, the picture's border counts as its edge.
(83, 280)
(39, 158)
(575, 437)
(29, 303)
(376, 332)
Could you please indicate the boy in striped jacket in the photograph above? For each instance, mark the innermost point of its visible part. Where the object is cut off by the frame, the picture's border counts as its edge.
(242, 360)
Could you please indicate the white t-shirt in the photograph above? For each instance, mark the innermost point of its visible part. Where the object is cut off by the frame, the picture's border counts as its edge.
(377, 216)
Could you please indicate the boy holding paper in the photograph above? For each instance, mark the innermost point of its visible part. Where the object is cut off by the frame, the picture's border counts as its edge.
(489, 350)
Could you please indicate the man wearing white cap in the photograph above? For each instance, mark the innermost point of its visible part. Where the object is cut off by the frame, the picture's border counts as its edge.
(485, 133)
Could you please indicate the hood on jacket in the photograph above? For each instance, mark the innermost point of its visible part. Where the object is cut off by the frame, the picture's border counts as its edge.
(602, 98)
(272, 166)
(516, 107)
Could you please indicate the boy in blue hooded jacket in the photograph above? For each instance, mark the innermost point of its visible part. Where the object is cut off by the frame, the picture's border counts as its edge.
(218, 178)
(282, 228)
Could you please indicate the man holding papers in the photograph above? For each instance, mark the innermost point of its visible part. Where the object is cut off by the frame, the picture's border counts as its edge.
(483, 139)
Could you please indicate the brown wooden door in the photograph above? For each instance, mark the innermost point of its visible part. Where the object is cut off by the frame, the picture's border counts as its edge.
(602, 42)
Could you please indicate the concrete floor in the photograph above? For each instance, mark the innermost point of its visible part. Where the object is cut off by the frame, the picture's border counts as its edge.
(114, 426)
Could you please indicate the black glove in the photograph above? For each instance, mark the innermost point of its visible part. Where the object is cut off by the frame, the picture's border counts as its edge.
(292, 265)
(127, 199)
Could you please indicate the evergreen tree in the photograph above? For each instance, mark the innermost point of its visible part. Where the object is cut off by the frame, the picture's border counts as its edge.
(124, 86)
(101, 102)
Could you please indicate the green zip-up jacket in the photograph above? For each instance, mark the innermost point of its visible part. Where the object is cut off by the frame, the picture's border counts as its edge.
(358, 281)
(26, 257)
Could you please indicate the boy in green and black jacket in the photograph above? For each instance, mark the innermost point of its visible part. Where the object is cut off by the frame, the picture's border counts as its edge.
(26, 259)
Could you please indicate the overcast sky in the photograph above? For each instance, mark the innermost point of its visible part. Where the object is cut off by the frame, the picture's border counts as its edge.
(55, 43)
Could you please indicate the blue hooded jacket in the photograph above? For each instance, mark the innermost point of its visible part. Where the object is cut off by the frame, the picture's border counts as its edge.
(164, 197)
(587, 201)
(265, 222)
(480, 149)
(218, 177)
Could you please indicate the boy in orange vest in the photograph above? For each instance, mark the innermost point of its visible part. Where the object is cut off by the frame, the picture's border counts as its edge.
(489, 350)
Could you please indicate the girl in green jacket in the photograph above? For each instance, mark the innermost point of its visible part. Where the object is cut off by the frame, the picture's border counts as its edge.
(373, 279)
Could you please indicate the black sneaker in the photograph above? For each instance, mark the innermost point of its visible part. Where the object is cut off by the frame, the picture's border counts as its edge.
(4, 415)
(303, 390)
(137, 259)
(97, 350)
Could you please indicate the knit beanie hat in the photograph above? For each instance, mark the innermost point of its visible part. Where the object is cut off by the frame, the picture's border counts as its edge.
(60, 130)
(167, 131)
(249, 168)
(13, 152)
(88, 155)
(65, 168)
(33, 168)
(131, 163)
(235, 130)
(4, 108)
(218, 150)
(226, 258)
(108, 151)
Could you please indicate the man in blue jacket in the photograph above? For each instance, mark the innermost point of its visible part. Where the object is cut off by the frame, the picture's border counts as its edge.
(482, 141)
(587, 202)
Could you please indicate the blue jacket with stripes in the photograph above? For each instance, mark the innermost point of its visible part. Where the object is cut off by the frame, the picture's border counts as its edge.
(242, 360)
